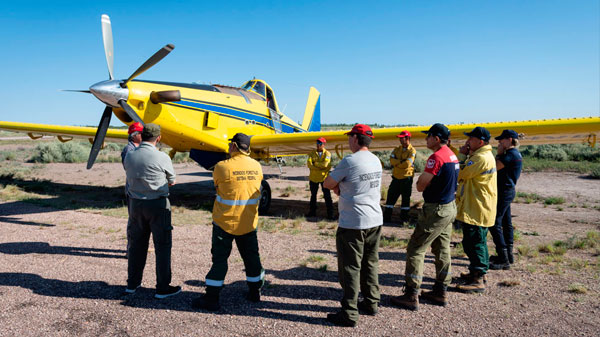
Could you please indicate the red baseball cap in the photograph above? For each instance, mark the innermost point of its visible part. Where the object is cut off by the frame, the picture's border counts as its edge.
(135, 127)
(403, 134)
(322, 140)
(361, 129)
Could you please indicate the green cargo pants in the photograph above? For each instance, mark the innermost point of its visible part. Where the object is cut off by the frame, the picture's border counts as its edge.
(358, 264)
(434, 229)
(475, 246)
(221, 249)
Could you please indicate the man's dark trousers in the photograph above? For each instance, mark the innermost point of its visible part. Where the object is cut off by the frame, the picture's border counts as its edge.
(247, 245)
(398, 187)
(475, 246)
(502, 231)
(145, 217)
(314, 188)
(358, 265)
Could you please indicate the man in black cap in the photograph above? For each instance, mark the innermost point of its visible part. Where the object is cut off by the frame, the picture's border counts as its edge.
(235, 217)
(476, 198)
(149, 175)
(434, 227)
(508, 163)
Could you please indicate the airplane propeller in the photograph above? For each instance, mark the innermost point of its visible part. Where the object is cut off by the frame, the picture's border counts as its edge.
(114, 93)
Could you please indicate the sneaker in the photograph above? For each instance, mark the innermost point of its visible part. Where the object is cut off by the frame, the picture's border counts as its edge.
(160, 294)
(129, 291)
(365, 309)
(204, 304)
(339, 320)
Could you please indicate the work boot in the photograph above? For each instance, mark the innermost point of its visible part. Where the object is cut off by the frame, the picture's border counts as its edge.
(404, 217)
(209, 301)
(254, 291)
(502, 261)
(409, 300)
(387, 214)
(366, 309)
(340, 320)
(509, 251)
(476, 285)
(437, 295)
(467, 276)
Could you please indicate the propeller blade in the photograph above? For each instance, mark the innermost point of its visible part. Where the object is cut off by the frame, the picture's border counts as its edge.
(99, 138)
(84, 91)
(107, 38)
(130, 112)
(154, 59)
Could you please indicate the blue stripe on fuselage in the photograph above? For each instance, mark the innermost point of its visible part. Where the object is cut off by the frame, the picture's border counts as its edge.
(239, 114)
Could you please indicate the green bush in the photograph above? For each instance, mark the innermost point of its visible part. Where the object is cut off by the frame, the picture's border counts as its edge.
(595, 172)
(71, 152)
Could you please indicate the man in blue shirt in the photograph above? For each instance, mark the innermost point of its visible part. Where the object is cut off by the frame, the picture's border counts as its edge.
(508, 163)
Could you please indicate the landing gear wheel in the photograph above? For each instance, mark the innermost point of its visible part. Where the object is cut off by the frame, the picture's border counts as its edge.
(265, 198)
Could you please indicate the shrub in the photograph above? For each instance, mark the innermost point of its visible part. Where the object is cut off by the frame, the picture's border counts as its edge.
(71, 152)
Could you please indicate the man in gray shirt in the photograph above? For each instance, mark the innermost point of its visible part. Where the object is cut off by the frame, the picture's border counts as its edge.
(149, 175)
(357, 180)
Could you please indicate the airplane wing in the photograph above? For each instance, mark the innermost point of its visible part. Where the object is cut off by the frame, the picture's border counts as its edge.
(552, 131)
(63, 133)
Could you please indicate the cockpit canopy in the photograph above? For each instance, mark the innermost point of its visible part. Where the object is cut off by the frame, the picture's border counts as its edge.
(261, 88)
(257, 86)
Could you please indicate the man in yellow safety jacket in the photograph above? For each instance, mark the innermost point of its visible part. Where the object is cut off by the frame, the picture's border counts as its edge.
(235, 217)
(402, 160)
(476, 198)
(319, 163)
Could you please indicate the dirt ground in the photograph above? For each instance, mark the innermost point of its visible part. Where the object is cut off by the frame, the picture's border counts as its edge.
(62, 272)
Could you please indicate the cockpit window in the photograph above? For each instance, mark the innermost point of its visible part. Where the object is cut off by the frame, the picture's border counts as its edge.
(259, 88)
(248, 85)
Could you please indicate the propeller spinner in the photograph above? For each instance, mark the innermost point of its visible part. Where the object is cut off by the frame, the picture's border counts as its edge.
(114, 93)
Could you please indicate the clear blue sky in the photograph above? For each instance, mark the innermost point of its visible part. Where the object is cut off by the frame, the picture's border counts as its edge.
(412, 62)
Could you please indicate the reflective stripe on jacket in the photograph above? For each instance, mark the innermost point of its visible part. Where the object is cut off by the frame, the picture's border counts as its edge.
(319, 165)
(237, 181)
(477, 192)
(403, 162)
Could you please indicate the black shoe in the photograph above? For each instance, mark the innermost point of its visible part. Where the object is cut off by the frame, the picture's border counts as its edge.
(160, 294)
(203, 303)
(310, 215)
(365, 309)
(339, 320)
(253, 295)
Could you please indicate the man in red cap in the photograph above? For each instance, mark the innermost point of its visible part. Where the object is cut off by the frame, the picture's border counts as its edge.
(319, 163)
(402, 160)
(357, 180)
(135, 139)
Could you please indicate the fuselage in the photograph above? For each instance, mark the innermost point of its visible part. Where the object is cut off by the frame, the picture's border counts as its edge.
(207, 115)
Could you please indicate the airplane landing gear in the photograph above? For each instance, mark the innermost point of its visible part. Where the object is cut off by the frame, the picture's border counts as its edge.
(265, 198)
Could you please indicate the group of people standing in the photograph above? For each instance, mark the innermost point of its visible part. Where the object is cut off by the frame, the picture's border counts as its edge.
(467, 185)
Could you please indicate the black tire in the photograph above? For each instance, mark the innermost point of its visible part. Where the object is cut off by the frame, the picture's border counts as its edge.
(265, 198)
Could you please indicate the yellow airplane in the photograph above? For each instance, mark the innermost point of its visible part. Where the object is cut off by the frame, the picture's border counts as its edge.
(200, 118)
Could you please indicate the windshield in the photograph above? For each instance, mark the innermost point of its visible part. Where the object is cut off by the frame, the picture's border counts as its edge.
(256, 86)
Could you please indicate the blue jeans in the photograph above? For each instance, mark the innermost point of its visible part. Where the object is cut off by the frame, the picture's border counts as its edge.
(502, 231)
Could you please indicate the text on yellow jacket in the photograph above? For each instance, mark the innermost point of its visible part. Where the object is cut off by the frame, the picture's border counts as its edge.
(403, 162)
(237, 181)
(476, 196)
(319, 165)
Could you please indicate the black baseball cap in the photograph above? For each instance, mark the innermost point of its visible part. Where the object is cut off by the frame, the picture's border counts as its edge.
(508, 134)
(479, 133)
(242, 141)
(438, 130)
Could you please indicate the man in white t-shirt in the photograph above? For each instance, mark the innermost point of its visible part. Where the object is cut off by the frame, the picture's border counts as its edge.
(357, 181)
